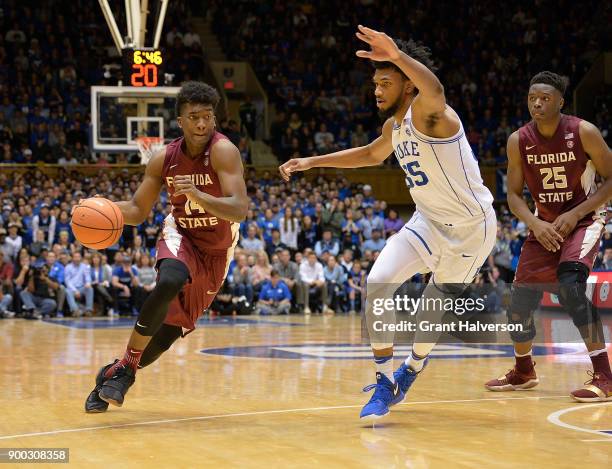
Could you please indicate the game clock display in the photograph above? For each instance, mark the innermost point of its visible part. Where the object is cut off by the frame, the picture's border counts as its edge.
(143, 67)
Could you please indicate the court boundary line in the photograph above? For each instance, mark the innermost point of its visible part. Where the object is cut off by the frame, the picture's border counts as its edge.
(555, 419)
(255, 413)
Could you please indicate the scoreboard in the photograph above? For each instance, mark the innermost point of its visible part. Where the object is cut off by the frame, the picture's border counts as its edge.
(143, 67)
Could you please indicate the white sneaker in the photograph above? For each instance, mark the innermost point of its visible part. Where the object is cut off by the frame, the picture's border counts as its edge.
(307, 310)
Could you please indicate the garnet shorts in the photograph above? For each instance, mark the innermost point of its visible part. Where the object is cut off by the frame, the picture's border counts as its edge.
(539, 266)
(207, 271)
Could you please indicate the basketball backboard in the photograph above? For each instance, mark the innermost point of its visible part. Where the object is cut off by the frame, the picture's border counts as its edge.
(119, 114)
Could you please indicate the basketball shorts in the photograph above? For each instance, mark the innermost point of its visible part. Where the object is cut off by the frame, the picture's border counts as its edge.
(537, 265)
(207, 272)
(454, 254)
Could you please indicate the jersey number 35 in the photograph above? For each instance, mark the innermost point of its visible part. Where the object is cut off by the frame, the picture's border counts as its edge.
(414, 176)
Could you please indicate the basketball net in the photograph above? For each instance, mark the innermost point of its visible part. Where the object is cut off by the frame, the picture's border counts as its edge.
(148, 146)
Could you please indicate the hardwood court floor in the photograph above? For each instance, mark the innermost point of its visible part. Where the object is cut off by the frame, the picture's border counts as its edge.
(285, 392)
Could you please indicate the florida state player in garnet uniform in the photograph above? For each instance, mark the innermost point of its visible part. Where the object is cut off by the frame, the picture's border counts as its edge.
(557, 156)
(203, 174)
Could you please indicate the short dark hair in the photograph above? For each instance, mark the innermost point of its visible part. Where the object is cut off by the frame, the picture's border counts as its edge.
(196, 92)
(274, 273)
(558, 82)
(414, 49)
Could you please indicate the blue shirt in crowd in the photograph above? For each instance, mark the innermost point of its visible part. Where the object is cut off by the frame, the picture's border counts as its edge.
(76, 276)
(278, 293)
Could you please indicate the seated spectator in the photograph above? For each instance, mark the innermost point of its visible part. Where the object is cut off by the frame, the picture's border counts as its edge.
(393, 223)
(38, 295)
(41, 243)
(243, 279)
(267, 224)
(346, 261)
(332, 217)
(309, 234)
(46, 222)
(275, 297)
(289, 273)
(251, 243)
(124, 282)
(56, 273)
(370, 222)
(289, 227)
(261, 271)
(77, 279)
(224, 303)
(335, 278)
(356, 283)
(101, 278)
(147, 278)
(377, 243)
(13, 242)
(311, 274)
(275, 243)
(327, 244)
(350, 227)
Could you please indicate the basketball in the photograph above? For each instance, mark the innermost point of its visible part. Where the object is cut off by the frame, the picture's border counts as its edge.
(97, 223)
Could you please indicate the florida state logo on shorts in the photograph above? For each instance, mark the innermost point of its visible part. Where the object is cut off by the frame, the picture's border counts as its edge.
(570, 144)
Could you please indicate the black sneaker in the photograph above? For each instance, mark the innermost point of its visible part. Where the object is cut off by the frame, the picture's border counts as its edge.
(93, 403)
(115, 388)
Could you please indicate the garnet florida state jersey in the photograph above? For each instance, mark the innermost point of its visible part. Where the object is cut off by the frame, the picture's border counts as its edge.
(206, 231)
(558, 172)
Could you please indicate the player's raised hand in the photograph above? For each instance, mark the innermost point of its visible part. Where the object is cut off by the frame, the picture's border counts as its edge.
(383, 47)
(547, 236)
(292, 166)
(565, 223)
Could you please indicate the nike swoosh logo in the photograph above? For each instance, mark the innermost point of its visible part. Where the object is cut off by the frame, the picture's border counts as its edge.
(211, 292)
(139, 325)
(396, 389)
(529, 148)
(465, 255)
(174, 165)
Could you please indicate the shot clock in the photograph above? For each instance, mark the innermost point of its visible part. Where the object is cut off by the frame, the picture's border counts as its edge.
(143, 67)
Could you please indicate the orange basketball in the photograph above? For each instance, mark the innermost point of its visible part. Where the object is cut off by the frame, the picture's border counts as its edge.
(97, 223)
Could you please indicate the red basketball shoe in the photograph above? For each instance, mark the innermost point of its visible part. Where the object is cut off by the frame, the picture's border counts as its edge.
(597, 389)
(514, 380)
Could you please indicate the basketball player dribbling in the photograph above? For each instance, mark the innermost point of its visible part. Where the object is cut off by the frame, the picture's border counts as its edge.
(203, 174)
(557, 155)
(453, 229)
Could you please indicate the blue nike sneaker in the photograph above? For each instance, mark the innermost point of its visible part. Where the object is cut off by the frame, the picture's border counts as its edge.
(404, 376)
(385, 395)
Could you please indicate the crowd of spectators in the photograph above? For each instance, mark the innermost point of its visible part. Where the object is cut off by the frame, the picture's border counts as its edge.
(48, 66)
(303, 53)
(305, 246)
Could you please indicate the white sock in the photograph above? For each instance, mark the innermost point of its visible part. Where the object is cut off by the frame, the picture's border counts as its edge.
(415, 362)
(522, 355)
(384, 365)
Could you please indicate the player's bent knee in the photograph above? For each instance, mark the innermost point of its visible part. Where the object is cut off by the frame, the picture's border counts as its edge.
(173, 275)
(523, 302)
(572, 293)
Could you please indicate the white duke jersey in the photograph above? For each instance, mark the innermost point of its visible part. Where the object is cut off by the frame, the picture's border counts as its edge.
(442, 175)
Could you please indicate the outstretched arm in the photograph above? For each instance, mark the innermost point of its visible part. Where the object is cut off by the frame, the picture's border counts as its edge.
(599, 152)
(430, 114)
(372, 154)
(135, 211)
(234, 204)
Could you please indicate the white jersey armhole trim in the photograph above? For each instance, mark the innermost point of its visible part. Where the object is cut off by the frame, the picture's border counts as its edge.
(426, 138)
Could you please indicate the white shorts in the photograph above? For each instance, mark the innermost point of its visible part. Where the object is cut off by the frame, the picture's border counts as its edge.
(453, 253)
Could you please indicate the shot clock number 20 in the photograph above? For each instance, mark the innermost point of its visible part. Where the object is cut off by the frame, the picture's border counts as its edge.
(142, 67)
